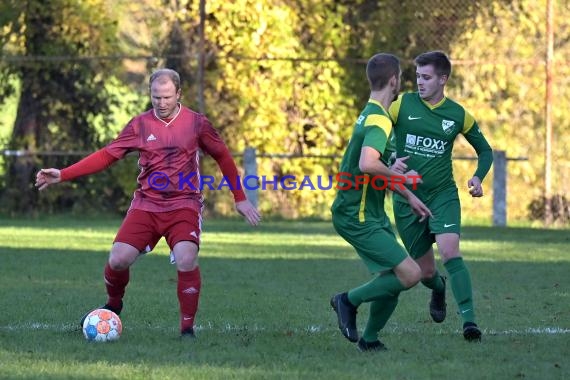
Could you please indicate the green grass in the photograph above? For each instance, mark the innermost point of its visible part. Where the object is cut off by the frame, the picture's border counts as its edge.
(264, 310)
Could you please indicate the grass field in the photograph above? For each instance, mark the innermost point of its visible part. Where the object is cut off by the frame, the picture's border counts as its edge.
(264, 310)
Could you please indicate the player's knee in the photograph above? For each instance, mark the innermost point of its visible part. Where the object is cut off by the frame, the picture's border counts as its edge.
(186, 262)
(117, 262)
(415, 276)
(122, 256)
(428, 272)
(411, 275)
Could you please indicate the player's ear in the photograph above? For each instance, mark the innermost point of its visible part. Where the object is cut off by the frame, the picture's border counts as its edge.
(393, 81)
(443, 79)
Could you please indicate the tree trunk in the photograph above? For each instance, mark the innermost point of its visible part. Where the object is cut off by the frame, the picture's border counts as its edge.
(20, 192)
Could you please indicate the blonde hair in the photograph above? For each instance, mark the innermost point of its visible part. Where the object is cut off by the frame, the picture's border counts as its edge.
(169, 73)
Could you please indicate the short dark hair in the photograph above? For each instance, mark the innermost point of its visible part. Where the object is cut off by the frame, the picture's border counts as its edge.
(171, 74)
(439, 61)
(380, 68)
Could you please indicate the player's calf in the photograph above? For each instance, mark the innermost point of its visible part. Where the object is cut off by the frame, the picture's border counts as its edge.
(437, 305)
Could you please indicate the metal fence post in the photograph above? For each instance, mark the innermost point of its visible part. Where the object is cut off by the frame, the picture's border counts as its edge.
(250, 169)
(499, 188)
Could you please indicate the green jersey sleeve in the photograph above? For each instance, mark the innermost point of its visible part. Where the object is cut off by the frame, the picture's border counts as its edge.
(475, 137)
(389, 154)
(394, 109)
(377, 129)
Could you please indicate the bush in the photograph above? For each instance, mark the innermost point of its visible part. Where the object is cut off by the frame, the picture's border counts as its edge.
(106, 192)
(559, 206)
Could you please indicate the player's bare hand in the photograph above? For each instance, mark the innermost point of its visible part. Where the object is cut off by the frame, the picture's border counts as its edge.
(412, 177)
(475, 187)
(249, 212)
(46, 177)
(399, 166)
(419, 208)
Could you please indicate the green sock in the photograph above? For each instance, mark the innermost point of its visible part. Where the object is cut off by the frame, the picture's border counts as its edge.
(382, 286)
(434, 283)
(380, 312)
(461, 285)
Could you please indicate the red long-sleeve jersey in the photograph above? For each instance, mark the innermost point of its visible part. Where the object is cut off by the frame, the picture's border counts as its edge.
(169, 157)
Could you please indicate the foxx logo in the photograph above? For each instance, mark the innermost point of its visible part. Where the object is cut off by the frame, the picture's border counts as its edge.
(426, 142)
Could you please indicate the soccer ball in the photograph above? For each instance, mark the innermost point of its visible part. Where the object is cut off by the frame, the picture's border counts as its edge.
(102, 325)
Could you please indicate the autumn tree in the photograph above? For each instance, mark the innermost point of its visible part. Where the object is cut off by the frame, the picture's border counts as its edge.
(503, 84)
(60, 90)
(285, 78)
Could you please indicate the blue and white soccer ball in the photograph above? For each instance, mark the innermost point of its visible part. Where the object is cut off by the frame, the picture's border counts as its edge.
(102, 325)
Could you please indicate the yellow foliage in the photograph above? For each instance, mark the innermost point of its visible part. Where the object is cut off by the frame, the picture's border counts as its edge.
(507, 97)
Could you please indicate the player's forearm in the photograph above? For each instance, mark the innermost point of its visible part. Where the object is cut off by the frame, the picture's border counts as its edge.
(484, 162)
(392, 179)
(484, 151)
(94, 163)
(230, 173)
(376, 168)
(402, 190)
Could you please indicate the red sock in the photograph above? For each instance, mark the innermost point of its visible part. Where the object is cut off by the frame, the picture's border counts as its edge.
(115, 281)
(188, 290)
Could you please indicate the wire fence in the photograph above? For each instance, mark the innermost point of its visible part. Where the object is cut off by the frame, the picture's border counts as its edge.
(491, 43)
(250, 170)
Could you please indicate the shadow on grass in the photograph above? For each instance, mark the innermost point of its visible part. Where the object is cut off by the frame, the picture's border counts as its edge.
(296, 227)
(269, 302)
(268, 312)
(517, 234)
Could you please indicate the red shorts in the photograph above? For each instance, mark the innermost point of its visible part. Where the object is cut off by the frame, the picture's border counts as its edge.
(143, 229)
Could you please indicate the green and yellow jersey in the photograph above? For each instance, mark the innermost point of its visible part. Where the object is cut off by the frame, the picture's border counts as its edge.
(355, 200)
(426, 133)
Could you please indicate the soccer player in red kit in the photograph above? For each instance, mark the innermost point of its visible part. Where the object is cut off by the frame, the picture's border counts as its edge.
(168, 200)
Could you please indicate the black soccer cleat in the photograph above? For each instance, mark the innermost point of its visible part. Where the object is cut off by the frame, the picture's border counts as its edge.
(364, 346)
(106, 307)
(437, 305)
(346, 313)
(188, 333)
(471, 332)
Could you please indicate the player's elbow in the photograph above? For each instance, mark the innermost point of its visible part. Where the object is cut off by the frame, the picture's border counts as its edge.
(364, 166)
(367, 164)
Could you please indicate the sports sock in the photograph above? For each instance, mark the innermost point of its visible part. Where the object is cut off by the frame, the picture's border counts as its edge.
(115, 281)
(382, 286)
(434, 283)
(380, 312)
(461, 285)
(188, 290)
